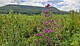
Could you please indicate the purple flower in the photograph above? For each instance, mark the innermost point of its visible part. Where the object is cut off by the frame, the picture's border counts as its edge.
(45, 11)
(54, 22)
(58, 26)
(54, 26)
(47, 30)
(45, 15)
(48, 40)
(46, 23)
(51, 20)
(36, 40)
(42, 19)
(47, 6)
(40, 34)
(48, 14)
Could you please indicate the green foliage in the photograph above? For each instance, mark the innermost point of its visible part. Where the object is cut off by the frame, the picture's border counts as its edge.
(21, 30)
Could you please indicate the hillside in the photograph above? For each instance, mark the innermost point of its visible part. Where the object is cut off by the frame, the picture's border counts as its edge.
(27, 9)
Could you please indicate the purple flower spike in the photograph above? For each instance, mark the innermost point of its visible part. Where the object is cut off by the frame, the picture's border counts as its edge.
(46, 13)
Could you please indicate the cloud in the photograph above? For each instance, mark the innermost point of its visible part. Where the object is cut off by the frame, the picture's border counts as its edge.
(67, 5)
(4, 2)
(64, 5)
(31, 4)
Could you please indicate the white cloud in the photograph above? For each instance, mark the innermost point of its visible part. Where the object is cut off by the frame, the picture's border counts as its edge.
(26, 2)
(70, 5)
(66, 5)
(31, 4)
(29, 1)
(39, 0)
(4, 2)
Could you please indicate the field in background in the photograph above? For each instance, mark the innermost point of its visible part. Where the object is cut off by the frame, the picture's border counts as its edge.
(21, 30)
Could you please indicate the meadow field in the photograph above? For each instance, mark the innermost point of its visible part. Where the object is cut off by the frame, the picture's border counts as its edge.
(38, 30)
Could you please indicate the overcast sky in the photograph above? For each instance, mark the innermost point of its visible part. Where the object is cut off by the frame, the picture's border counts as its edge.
(64, 5)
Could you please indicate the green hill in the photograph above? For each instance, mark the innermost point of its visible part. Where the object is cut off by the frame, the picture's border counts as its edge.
(27, 9)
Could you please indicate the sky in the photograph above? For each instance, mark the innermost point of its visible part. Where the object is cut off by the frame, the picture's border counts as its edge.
(64, 5)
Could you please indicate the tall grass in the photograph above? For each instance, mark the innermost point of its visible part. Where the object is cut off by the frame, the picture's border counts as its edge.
(21, 30)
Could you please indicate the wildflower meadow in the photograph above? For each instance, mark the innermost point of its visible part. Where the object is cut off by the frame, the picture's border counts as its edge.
(46, 29)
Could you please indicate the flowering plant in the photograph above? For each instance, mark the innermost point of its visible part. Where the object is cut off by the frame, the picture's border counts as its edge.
(50, 28)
